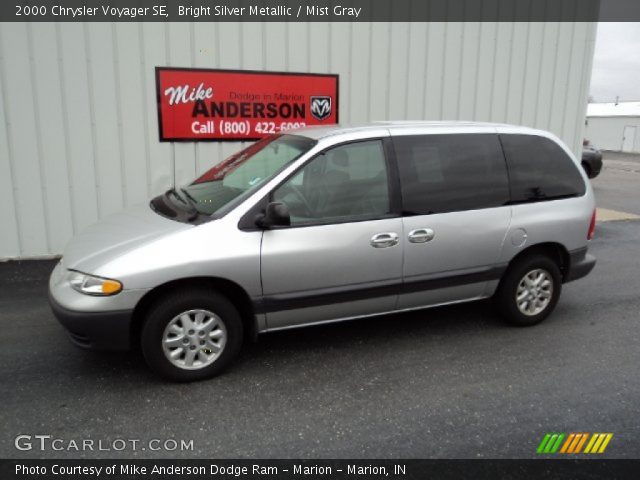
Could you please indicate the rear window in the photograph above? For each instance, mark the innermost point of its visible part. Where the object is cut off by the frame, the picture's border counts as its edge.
(447, 173)
(540, 169)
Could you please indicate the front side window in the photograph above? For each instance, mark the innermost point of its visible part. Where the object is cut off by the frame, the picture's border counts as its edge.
(243, 173)
(540, 169)
(343, 183)
(448, 173)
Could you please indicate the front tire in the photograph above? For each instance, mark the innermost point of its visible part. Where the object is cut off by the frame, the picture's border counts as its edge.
(529, 291)
(191, 335)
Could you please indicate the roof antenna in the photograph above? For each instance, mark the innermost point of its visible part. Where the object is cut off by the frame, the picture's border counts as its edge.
(617, 99)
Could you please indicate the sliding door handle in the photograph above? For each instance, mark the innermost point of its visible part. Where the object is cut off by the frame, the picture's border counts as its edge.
(382, 240)
(421, 235)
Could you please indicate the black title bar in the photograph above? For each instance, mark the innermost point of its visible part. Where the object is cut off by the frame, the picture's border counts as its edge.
(319, 10)
(330, 469)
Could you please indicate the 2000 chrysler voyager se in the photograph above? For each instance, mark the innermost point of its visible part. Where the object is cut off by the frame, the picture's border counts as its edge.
(326, 224)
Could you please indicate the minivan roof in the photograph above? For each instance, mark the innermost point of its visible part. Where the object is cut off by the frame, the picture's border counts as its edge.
(318, 132)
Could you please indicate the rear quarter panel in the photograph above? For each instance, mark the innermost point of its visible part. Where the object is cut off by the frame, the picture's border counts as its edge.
(563, 221)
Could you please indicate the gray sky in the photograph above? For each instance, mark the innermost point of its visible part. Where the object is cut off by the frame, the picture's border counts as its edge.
(616, 64)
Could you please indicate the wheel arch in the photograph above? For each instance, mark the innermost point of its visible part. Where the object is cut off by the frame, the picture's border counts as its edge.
(554, 250)
(231, 290)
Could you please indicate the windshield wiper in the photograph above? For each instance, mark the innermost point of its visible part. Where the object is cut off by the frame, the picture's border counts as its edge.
(188, 195)
(175, 193)
(192, 211)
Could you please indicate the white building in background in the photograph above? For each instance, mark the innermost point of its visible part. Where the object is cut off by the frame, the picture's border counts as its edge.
(78, 118)
(614, 126)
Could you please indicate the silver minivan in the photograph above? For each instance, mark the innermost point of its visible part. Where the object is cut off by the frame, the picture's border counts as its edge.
(326, 224)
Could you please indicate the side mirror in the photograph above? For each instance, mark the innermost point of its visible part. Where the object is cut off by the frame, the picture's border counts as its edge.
(275, 215)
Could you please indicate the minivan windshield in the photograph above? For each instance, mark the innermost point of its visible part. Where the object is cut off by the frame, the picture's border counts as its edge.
(241, 174)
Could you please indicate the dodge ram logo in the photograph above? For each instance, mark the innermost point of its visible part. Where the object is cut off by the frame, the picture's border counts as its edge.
(321, 107)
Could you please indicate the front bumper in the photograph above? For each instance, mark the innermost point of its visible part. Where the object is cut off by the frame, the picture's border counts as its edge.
(101, 323)
(580, 265)
(95, 330)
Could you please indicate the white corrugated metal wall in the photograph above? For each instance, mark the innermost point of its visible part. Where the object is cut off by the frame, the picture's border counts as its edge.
(78, 125)
(607, 133)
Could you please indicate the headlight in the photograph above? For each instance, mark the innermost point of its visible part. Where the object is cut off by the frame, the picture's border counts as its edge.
(91, 285)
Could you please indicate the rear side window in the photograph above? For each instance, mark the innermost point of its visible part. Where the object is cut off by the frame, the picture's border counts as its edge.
(447, 173)
(540, 169)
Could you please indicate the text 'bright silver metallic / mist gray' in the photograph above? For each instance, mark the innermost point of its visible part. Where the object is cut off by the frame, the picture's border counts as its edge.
(327, 224)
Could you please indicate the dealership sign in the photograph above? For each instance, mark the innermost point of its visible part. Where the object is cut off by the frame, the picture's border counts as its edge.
(203, 104)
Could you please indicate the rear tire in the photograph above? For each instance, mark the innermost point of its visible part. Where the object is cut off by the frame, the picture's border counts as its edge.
(191, 335)
(529, 291)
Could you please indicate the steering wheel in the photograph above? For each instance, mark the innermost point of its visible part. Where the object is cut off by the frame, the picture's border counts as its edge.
(296, 191)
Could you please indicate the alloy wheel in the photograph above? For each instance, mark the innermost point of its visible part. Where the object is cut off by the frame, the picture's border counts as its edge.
(194, 339)
(534, 292)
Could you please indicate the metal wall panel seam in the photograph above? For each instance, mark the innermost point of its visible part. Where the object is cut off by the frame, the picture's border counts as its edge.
(593, 33)
(351, 76)
(287, 48)
(565, 96)
(588, 53)
(192, 44)
(350, 68)
(65, 125)
(442, 71)
(534, 42)
(145, 106)
(509, 70)
(493, 70)
(116, 83)
(329, 56)
(167, 56)
(216, 40)
(92, 116)
(38, 135)
(263, 45)
(369, 74)
(406, 73)
(369, 70)
(475, 90)
(308, 59)
(459, 53)
(460, 70)
(575, 128)
(522, 89)
(388, 85)
(7, 120)
(542, 44)
(553, 78)
(524, 77)
(426, 69)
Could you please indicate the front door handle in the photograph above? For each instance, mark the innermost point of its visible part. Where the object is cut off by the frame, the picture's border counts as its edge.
(421, 235)
(382, 240)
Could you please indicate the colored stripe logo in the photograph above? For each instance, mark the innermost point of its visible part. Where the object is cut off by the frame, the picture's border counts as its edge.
(572, 443)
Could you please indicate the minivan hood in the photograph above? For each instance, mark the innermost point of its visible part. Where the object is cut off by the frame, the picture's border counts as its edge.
(116, 235)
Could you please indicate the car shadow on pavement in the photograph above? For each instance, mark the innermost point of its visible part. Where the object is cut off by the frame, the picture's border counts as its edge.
(356, 339)
(364, 337)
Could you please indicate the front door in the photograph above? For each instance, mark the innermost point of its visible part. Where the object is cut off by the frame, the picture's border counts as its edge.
(342, 256)
(455, 196)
